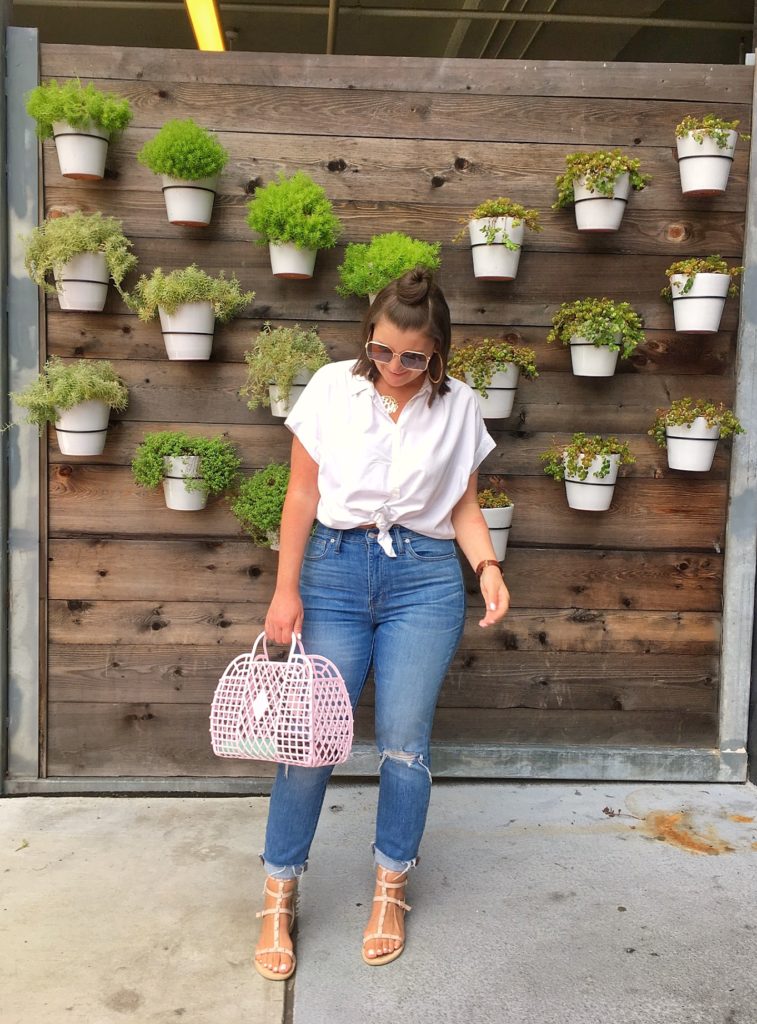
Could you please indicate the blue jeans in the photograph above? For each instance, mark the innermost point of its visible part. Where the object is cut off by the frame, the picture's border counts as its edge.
(406, 615)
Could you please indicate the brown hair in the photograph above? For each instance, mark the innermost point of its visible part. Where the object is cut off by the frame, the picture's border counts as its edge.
(414, 302)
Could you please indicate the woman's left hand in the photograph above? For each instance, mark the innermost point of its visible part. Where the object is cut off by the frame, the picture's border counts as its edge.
(496, 596)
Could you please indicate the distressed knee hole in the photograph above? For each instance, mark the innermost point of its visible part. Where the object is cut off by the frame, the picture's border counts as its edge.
(404, 757)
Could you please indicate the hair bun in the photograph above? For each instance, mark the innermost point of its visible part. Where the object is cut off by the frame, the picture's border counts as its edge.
(413, 286)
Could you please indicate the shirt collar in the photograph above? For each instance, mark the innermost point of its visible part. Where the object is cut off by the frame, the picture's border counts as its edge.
(359, 384)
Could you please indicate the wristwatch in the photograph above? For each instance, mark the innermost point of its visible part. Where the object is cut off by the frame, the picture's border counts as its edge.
(483, 564)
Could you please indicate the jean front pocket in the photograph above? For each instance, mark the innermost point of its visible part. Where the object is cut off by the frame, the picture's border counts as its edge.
(429, 549)
(317, 547)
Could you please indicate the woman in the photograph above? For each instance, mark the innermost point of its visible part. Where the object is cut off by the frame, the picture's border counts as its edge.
(385, 455)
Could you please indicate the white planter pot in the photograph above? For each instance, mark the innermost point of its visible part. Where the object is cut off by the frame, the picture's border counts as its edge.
(692, 447)
(273, 539)
(188, 333)
(279, 408)
(83, 429)
(591, 360)
(699, 310)
(499, 521)
(174, 489)
(498, 403)
(594, 494)
(81, 151)
(372, 297)
(289, 261)
(595, 212)
(83, 283)
(704, 167)
(189, 203)
(493, 261)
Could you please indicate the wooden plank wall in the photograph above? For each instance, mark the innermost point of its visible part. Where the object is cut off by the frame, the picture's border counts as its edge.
(614, 633)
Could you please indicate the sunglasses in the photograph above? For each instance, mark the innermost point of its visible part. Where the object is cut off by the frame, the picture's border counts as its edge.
(379, 353)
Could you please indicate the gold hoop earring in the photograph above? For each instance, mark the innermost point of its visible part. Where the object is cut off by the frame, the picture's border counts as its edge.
(440, 378)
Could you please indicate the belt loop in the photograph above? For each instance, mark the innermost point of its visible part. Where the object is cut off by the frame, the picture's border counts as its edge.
(338, 540)
(399, 544)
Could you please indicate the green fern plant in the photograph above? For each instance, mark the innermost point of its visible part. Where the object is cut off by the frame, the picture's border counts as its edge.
(615, 325)
(78, 106)
(278, 355)
(219, 462)
(184, 150)
(295, 210)
(169, 291)
(367, 268)
(55, 242)
(62, 385)
(260, 501)
(481, 361)
(600, 171)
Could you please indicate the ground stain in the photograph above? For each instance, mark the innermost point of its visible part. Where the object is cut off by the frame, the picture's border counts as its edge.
(739, 817)
(677, 828)
(125, 1000)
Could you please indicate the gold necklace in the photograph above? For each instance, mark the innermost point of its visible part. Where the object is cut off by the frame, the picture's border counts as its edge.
(390, 404)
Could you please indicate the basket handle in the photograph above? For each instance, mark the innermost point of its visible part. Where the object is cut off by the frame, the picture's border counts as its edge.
(296, 643)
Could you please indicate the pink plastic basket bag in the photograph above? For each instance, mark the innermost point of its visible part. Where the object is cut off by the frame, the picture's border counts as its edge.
(293, 712)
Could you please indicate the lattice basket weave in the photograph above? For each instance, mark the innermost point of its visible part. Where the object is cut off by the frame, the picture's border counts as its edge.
(293, 712)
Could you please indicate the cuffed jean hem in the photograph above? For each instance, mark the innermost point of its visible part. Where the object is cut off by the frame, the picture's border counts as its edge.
(381, 860)
(286, 872)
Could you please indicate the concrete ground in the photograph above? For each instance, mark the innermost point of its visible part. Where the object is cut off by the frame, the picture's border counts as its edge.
(553, 903)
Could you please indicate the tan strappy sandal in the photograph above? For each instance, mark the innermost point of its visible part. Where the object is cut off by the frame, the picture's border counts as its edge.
(385, 899)
(278, 910)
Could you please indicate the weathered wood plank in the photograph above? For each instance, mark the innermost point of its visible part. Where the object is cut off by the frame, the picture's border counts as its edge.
(570, 121)
(512, 679)
(687, 82)
(437, 172)
(92, 568)
(233, 625)
(544, 281)
(517, 452)
(113, 336)
(673, 232)
(172, 739)
(105, 500)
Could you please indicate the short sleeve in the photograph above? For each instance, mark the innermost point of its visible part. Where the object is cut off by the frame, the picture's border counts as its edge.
(483, 441)
(304, 419)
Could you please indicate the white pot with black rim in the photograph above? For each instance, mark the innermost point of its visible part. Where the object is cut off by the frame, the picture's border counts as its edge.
(499, 521)
(698, 310)
(594, 494)
(188, 332)
(177, 471)
(500, 393)
(274, 538)
(283, 408)
(83, 429)
(704, 166)
(290, 262)
(596, 212)
(590, 360)
(81, 151)
(692, 446)
(189, 203)
(492, 259)
(82, 283)
(372, 297)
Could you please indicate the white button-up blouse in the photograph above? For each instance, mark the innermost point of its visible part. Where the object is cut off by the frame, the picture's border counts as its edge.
(371, 470)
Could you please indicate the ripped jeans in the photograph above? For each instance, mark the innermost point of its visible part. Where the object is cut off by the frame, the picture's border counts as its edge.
(405, 615)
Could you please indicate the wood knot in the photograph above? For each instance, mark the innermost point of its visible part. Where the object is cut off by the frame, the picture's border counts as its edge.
(65, 470)
(677, 232)
(437, 181)
(461, 164)
(252, 184)
(163, 93)
(337, 165)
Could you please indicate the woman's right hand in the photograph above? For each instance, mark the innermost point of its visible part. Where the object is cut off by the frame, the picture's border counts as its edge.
(284, 618)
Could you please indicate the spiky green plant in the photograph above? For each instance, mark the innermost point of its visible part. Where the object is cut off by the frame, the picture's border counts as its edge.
(55, 242)
(694, 265)
(489, 210)
(600, 171)
(169, 291)
(260, 501)
(219, 463)
(295, 210)
(184, 150)
(708, 127)
(575, 457)
(62, 385)
(684, 411)
(614, 325)
(77, 105)
(368, 268)
(278, 355)
(488, 357)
